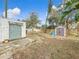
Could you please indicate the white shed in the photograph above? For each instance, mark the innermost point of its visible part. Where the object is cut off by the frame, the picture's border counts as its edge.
(11, 29)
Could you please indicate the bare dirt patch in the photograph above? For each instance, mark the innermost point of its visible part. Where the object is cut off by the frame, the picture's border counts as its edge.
(47, 48)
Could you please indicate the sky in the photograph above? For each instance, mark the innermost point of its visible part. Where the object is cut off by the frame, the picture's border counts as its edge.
(20, 9)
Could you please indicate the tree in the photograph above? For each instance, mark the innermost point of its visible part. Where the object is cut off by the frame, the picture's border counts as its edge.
(32, 21)
(54, 18)
(70, 6)
(77, 17)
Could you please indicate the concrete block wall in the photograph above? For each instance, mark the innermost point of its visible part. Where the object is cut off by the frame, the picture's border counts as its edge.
(4, 29)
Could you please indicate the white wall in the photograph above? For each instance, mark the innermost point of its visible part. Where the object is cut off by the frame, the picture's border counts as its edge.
(4, 29)
(24, 29)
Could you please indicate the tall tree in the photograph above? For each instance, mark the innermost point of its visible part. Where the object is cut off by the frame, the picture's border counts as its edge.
(69, 7)
(54, 18)
(32, 21)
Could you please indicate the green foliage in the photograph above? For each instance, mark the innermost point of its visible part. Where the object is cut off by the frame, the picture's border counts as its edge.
(77, 17)
(32, 21)
(53, 18)
(70, 6)
(71, 3)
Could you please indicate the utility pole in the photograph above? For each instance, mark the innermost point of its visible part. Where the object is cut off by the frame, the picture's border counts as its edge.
(6, 7)
(49, 10)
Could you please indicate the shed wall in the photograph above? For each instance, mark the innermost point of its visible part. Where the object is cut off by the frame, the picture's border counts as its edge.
(5, 27)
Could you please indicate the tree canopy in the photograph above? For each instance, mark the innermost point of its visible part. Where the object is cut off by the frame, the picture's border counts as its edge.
(32, 21)
(69, 7)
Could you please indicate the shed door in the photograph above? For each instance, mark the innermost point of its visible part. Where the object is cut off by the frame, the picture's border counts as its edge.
(15, 31)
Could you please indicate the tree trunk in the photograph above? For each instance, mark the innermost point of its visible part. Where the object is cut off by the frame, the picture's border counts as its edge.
(67, 24)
